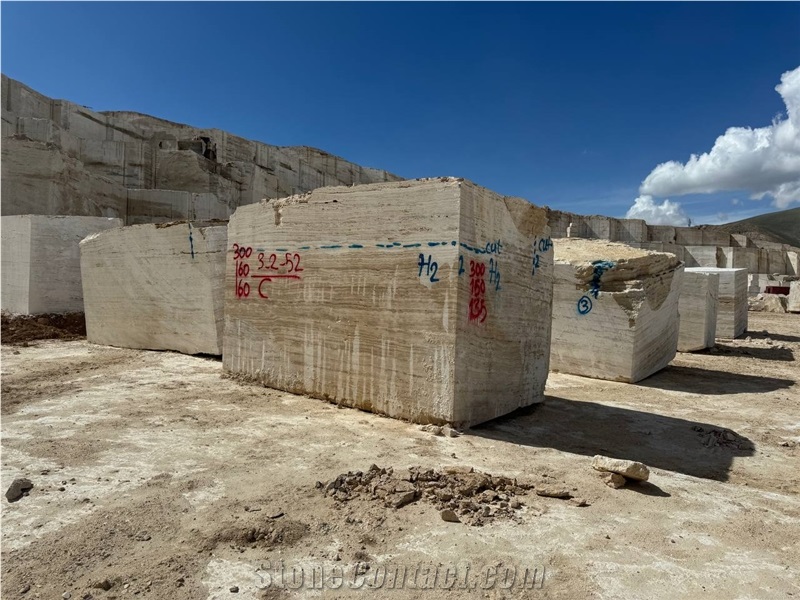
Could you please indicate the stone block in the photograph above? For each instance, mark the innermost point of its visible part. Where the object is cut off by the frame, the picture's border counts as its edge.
(688, 236)
(732, 301)
(698, 310)
(631, 231)
(41, 270)
(661, 233)
(715, 237)
(702, 256)
(615, 310)
(426, 300)
(156, 287)
(602, 228)
(793, 263)
(793, 301)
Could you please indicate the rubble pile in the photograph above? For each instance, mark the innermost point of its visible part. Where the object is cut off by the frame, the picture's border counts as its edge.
(461, 494)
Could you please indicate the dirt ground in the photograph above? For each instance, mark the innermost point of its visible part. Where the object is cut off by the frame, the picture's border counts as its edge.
(155, 477)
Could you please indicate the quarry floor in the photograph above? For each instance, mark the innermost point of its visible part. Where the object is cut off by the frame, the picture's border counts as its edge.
(158, 478)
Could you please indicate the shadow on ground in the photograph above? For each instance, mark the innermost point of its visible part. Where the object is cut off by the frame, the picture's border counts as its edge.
(768, 335)
(691, 447)
(759, 352)
(705, 381)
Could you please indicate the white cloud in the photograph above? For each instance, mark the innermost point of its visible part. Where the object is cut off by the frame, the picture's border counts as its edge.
(764, 161)
(666, 213)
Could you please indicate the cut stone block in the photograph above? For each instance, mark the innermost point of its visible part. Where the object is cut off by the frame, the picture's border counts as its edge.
(703, 256)
(793, 302)
(698, 310)
(427, 300)
(732, 301)
(156, 287)
(41, 269)
(615, 310)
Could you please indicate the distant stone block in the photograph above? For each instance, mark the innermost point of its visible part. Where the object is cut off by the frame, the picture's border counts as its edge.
(793, 302)
(426, 300)
(156, 287)
(615, 310)
(732, 301)
(698, 310)
(41, 269)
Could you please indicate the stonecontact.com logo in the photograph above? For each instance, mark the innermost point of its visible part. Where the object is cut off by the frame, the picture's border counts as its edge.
(421, 576)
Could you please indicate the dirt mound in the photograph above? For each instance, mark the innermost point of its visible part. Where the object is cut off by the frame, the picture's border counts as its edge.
(20, 329)
(474, 497)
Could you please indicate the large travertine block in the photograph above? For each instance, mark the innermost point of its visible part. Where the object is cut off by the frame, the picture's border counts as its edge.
(732, 301)
(698, 310)
(157, 287)
(615, 310)
(41, 269)
(426, 300)
(793, 302)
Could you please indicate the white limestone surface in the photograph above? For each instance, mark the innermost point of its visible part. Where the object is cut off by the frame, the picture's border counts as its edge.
(41, 271)
(615, 310)
(732, 301)
(157, 287)
(697, 307)
(426, 300)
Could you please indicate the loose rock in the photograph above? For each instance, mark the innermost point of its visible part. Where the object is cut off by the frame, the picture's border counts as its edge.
(614, 480)
(552, 491)
(450, 516)
(18, 488)
(627, 468)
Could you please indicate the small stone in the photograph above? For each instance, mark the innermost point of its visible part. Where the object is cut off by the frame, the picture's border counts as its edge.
(449, 516)
(66, 595)
(627, 468)
(435, 430)
(552, 491)
(614, 480)
(62, 489)
(578, 502)
(450, 432)
(103, 584)
(18, 488)
(234, 589)
(142, 536)
(457, 470)
(25, 589)
(400, 499)
(515, 504)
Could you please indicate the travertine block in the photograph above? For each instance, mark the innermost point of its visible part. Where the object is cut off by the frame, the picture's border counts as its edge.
(41, 270)
(793, 302)
(703, 256)
(698, 310)
(427, 300)
(732, 301)
(615, 310)
(157, 287)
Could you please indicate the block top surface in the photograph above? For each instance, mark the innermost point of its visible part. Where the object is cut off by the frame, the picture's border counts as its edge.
(625, 262)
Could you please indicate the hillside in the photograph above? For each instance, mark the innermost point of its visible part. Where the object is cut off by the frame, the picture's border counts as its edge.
(782, 227)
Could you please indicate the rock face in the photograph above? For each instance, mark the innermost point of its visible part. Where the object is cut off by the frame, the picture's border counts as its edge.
(698, 310)
(615, 310)
(426, 300)
(41, 269)
(627, 468)
(732, 303)
(793, 302)
(157, 287)
(61, 158)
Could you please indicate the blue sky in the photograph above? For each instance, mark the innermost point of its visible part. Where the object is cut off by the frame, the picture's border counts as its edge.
(571, 105)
